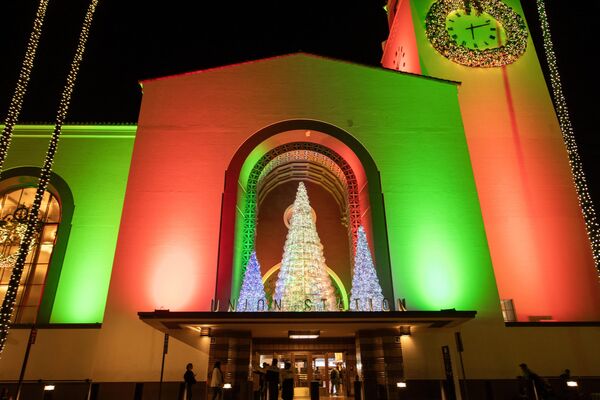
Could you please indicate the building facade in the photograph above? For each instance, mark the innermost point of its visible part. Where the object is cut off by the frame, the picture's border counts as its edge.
(457, 173)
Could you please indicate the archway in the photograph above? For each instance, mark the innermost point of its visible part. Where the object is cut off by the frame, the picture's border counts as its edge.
(28, 177)
(312, 154)
(237, 235)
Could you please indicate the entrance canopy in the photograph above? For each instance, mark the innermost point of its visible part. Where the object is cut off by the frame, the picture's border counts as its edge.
(190, 327)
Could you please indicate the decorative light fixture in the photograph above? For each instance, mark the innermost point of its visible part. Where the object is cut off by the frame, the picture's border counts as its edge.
(48, 388)
(252, 293)
(405, 330)
(572, 383)
(366, 293)
(560, 103)
(12, 232)
(227, 386)
(9, 302)
(303, 283)
(16, 102)
(204, 331)
(303, 334)
(401, 384)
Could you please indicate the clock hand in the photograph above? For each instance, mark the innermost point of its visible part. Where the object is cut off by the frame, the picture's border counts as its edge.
(472, 29)
(479, 26)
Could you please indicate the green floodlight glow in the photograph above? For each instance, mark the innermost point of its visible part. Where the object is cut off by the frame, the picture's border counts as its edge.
(96, 172)
(437, 243)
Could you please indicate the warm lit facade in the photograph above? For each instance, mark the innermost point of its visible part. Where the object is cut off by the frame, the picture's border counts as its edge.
(460, 179)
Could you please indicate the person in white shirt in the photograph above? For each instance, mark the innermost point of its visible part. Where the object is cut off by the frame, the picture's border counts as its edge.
(216, 382)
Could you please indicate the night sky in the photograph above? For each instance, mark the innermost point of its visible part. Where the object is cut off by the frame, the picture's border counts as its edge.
(133, 40)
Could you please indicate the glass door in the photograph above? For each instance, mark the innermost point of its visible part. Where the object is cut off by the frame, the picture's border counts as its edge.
(302, 370)
(319, 369)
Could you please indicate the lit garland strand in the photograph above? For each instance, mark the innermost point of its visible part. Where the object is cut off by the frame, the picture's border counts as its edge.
(583, 194)
(8, 304)
(16, 103)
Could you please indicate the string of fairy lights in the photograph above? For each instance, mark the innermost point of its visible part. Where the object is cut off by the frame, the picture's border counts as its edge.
(583, 193)
(16, 103)
(8, 304)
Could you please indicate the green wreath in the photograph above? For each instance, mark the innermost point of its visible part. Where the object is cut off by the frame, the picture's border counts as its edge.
(513, 24)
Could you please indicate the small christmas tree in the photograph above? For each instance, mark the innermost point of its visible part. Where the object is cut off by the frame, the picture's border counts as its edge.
(303, 283)
(366, 293)
(252, 294)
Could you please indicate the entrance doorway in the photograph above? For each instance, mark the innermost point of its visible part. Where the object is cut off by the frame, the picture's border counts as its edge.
(313, 362)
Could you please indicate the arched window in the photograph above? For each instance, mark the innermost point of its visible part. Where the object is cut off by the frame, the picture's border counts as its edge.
(15, 202)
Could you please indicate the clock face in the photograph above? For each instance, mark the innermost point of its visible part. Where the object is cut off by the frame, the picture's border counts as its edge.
(493, 36)
(475, 31)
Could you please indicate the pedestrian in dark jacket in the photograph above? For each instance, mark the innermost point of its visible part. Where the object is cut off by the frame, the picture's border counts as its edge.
(272, 378)
(541, 387)
(190, 379)
(287, 382)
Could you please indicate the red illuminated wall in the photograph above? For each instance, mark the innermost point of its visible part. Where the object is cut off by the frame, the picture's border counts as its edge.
(400, 50)
(190, 128)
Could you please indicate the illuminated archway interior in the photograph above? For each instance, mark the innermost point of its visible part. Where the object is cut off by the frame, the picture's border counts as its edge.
(267, 185)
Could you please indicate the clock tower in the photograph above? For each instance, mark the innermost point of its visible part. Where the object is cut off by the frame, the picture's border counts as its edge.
(535, 227)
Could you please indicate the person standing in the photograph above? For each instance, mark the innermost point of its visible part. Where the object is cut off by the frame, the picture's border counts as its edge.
(260, 383)
(263, 382)
(190, 380)
(566, 391)
(216, 381)
(343, 380)
(287, 382)
(349, 382)
(334, 376)
(272, 378)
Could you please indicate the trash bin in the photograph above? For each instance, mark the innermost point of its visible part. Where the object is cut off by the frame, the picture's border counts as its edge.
(357, 390)
(314, 390)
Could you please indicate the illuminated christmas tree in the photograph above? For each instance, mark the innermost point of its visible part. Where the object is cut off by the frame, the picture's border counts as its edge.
(366, 293)
(303, 283)
(252, 294)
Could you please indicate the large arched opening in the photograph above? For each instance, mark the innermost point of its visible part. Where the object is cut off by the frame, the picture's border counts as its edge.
(341, 177)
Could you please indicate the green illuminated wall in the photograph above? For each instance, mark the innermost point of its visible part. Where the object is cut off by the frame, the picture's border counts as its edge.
(94, 162)
(438, 248)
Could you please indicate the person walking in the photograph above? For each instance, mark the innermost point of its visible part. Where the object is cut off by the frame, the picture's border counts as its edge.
(287, 382)
(272, 378)
(263, 382)
(334, 376)
(216, 381)
(189, 378)
(541, 388)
